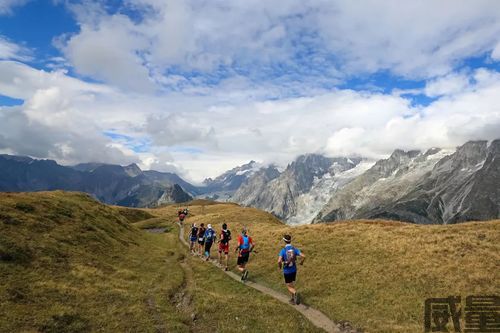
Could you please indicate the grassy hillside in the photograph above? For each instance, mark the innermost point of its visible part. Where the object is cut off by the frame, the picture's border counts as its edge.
(375, 274)
(70, 264)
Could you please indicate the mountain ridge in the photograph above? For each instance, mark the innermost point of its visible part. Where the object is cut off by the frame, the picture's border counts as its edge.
(111, 184)
(432, 186)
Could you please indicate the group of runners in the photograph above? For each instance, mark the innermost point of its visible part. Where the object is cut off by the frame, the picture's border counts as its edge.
(202, 238)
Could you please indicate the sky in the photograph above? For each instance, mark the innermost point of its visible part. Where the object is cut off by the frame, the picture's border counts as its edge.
(197, 87)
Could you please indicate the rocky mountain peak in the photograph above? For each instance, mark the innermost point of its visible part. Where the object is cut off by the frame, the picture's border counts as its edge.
(397, 159)
(494, 147)
(472, 152)
(133, 170)
(306, 167)
(24, 159)
(468, 156)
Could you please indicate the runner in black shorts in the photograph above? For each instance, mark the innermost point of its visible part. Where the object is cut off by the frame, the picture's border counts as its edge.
(287, 260)
(290, 277)
(245, 246)
(243, 258)
(201, 239)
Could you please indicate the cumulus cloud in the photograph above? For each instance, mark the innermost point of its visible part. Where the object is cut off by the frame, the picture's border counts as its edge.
(445, 85)
(468, 114)
(110, 52)
(199, 87)
(179, 128)
(203, 135)
(422, 39)
(54, 120)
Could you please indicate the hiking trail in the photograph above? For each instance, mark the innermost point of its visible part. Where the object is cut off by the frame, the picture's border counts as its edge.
(316, 317)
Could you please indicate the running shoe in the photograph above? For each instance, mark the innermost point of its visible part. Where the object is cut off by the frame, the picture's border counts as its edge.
(296, 298)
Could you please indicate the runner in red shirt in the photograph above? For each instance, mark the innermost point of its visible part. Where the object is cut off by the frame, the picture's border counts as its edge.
(245, 246)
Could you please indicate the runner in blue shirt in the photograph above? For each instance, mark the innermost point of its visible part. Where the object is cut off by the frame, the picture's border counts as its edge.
(287, 260)
(209, 238)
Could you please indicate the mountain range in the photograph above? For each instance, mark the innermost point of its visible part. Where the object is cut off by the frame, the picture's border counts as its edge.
(111, 184)
(437, 186)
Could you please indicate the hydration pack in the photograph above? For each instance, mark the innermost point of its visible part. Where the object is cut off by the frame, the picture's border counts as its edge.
(209, 235)
(226, 236)
(246, 244)
(289, 257)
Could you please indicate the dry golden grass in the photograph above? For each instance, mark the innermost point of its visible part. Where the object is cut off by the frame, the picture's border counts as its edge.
(376, 274)
(70, 264)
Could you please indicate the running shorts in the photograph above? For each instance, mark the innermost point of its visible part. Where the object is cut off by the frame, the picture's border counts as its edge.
(243, 258)
(290, 277)
(224, 248)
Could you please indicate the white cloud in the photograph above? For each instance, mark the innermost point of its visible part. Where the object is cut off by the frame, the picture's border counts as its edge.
(199, 136)
(449, 84)
(198, 87)
(418, 39)
(495, 54)
(6, 6)
(421, 39)
(109, 52)
(12, 51)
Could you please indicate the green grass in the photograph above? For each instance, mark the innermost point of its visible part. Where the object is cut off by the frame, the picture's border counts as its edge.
(133, 214)
(154, 223)
(70, 264)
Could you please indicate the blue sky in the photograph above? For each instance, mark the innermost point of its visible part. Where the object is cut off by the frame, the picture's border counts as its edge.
(180, 85)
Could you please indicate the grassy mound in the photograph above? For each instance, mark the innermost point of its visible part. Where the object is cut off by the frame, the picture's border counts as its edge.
(132, 214)
(375, 274)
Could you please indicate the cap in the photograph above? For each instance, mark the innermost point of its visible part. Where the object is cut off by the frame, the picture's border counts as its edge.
(287, 238)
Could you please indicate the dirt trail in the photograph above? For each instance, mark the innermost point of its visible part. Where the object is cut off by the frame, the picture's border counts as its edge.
(316, 317)
(153, 310)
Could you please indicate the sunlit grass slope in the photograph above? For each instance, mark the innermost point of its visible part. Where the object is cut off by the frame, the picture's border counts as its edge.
(70, 264)
(376, 274)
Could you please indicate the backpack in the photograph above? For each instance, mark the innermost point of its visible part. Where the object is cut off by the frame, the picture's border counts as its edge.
(246, 243)
(289, 257)
(209, 236)
(201, 234)
(226, 236)
(194, 231)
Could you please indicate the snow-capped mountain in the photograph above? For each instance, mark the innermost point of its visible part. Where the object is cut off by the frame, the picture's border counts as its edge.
(437, 186)
(225, 185)
(288, 194)
(310, 203)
